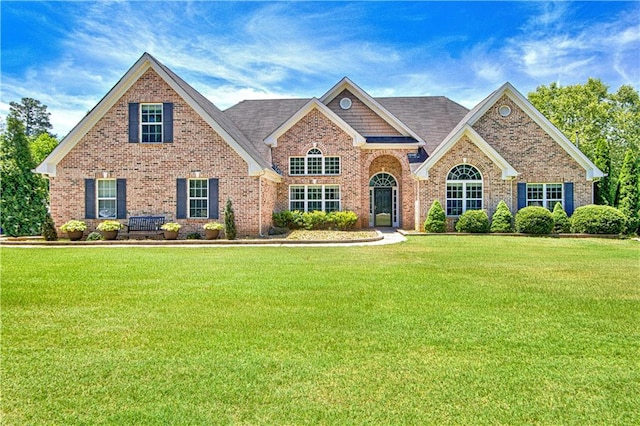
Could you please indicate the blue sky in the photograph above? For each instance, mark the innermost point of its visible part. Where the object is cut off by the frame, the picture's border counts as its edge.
(69, 54)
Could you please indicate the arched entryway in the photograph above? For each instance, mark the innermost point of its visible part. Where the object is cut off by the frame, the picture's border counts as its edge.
(383, 196)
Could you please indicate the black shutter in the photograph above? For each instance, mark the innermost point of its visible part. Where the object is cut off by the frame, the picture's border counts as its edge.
(134, 111)
(90, 198)
(121, 196)
(522, 195)
(568, 198)
(213, 198)
(167, 122)
(181, 199)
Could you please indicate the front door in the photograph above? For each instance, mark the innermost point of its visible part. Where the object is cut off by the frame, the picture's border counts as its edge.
(383, 206)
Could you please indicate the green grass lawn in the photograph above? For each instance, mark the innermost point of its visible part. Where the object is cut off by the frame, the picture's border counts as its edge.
(437, 330)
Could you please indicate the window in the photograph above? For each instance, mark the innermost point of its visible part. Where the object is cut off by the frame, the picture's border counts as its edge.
(151, 122)
(307, 198)
(107, 199)
(314, 164)
(544, 194)
(198, 198)
(464, 190)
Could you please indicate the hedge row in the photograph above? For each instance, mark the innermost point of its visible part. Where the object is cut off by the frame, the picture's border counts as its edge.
(342, 221)
(591, 219)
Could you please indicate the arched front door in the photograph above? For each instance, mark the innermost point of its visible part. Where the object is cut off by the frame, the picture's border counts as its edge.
(383, 196)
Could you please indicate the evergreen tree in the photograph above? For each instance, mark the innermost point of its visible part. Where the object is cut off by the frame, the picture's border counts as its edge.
(560, 219)
(229, 221)
(23, 197)
(502, 219)
(436, 218)
(602, 160)
(629, 191)
(32, 114)
(49, 229)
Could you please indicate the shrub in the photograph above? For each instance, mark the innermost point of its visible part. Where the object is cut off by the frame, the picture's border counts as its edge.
(475, 221)
(594, 219)
(534, 220)
(194, 236)
(344, 220)
(95, 236)
(282, 219)
(560, 219)
(436, 218)
(316, 220)
(230, 221)
(49, 229)
(502, 219)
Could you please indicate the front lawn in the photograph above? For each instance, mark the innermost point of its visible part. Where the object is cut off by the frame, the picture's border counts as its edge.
(437, 330)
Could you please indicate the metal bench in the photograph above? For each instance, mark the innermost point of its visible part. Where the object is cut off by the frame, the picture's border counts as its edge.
(144, 226)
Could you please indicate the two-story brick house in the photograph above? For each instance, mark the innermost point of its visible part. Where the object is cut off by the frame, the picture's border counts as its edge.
(155, 146)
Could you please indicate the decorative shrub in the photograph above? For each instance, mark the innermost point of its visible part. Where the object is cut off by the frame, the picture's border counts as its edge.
(560, 219)
(213, 226)
(74, 225)
(316, 220)
(95, 236)
(230, 221)
(194, 236)
(343, 220)
(283, 219)
(534, 220)
(109, 225)
(49, 229)
(475, 221)
(594, 219)
(502, 219)
(171, 227)
(436, 218)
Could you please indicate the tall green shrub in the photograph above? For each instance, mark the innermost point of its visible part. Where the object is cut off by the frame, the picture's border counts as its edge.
(436, 218)
(49, 229)
(230, 230)
(534, 220)
(476, 221)
(560, 219)
(629, 191)
(502, 219)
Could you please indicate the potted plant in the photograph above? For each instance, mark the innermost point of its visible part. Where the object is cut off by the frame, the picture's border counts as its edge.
(109, 229)
(74, 229)
(170, 230)
(212, 230)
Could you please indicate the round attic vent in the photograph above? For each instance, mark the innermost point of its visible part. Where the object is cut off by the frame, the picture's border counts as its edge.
(504, 110)
(345, 103)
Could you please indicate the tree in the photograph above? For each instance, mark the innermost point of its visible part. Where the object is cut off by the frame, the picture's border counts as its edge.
(629, 191)
(23, 198)
(502, 219)
(32, 114)
(229, 221)
(560, 219)
(589, 115)
(436, 218)
(42, 146)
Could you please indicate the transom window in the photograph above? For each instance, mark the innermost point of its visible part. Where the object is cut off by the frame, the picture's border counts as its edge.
(544, 194)
(107, 198)
(464, 190)
(198, 198)
(314, 163)
(383, 180)
(151, 122)
(308, 198)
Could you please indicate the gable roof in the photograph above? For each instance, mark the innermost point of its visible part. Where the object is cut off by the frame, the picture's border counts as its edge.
(314, 103)
(523, 103)
(259, 162)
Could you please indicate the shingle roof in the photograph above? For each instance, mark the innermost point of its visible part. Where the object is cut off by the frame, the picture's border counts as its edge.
(431, 117)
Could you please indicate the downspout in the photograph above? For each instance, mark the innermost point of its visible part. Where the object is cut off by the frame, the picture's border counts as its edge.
(260, 203)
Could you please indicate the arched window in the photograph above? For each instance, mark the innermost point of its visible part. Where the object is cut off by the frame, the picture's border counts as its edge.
(314, 163)
(464, 190)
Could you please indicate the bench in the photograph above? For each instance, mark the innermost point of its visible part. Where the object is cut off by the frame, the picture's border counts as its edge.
(144, 226)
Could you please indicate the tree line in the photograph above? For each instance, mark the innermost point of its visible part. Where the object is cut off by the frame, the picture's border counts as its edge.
(604, 125)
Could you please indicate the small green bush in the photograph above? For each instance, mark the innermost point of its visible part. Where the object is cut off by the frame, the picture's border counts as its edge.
(49, 229)
(502, 219)
(476, 221)
(194, 236)
(534, 220)
(560, 219)
(316, 220)
(344, 220)
(593, 219)
(95, 236)
(230, 221)
(436, 218)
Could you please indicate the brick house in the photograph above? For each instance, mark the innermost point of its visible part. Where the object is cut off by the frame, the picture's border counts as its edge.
(155, 146)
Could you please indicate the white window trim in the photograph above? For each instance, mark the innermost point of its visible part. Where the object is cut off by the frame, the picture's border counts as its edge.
(189, 198)
(464, 190)
(161, 123)
(323, 200)
(114, 198)
(323, 162)
(545, 200)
